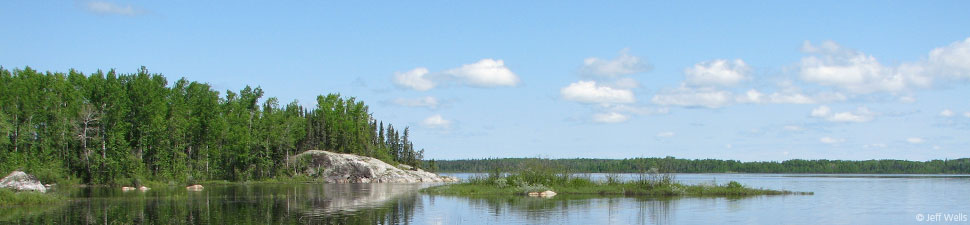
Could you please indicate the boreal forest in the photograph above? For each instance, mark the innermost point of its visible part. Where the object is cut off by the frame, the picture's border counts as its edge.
(110, 127)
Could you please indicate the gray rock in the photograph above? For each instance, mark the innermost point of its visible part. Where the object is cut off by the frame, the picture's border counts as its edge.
(20, 181)
(349, 168)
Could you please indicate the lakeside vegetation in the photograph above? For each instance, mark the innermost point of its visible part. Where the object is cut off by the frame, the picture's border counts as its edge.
(539, 176)
(125, 129)
(14, 198)
(648, 185)
(675, 165)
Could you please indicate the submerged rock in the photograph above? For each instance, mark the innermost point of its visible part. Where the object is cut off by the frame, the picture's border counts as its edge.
(349, 168)
(20, 181)
(197, 187)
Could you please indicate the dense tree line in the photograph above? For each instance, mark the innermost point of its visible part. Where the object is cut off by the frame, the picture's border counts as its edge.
(671, 164)
(111, 127)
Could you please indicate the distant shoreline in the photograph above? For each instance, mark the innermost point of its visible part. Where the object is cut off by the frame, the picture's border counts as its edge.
(675, 165)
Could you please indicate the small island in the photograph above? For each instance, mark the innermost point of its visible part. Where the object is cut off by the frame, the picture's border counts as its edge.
(536, 183)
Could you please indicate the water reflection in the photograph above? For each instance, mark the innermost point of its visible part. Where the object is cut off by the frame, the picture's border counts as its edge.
(837, 200)
(230, 204)
(573, 209)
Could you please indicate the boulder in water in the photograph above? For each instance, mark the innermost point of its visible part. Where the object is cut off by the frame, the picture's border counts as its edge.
(197, 187)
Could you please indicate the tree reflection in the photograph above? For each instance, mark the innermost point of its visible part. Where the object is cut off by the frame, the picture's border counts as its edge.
(232, 204)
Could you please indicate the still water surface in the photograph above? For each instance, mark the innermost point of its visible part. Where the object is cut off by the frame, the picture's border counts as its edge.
(838, 199)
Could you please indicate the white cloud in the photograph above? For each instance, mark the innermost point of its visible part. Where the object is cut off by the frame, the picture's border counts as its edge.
(787, 97)
(831, 140)
(793, 128)
(485, 73)
(952, 60)
(102, 7)
(666, 134)
(427, 101)
(416, 79)
(719, 72)
(915, 140)
(610, 117)
(834, 65)
(862, 114)
(947, 113)
(590, 92)
(622, 65)
(966, 114)
(436, 121)
(821, 111)
(728, 146)
(937, 147)
(691, 97)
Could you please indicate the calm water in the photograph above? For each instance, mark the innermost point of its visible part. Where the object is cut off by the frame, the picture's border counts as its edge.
(838, 199)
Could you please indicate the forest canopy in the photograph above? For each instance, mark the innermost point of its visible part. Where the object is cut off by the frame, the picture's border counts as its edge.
(108, 127)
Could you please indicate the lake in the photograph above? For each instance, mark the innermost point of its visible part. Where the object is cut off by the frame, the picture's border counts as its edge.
(838, 199)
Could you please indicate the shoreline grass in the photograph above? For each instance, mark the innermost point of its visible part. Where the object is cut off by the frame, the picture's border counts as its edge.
(648, 184)
(19, 198)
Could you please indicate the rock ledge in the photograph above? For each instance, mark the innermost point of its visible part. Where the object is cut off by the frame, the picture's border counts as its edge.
(349, 168)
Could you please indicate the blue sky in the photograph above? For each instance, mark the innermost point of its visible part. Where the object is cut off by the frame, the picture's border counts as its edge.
(750, 81)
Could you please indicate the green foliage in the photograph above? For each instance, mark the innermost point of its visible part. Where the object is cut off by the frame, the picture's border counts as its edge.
(513, 184)
(124, 129)
(14, 198)
(537, 178)
(674, 165)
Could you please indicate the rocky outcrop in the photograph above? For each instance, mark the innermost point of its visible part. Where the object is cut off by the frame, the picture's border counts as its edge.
(544, 194)
(20, 181)
(349, 168)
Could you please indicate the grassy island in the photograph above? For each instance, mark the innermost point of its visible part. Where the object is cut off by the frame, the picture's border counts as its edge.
(647, 184)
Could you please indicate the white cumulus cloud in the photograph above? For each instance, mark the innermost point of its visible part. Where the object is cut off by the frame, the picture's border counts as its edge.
(622, 65)
(436, 121)
(590, 92)
(719, 72)
(862, 114)
(485, 73)
(427, 101)
(952, 60)
(609, 117)
(834, 65)
(416, 79)
(915, 140)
